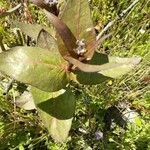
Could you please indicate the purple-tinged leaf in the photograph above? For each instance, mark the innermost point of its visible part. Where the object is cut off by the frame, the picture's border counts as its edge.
(38, 67)
(4, 14)
(44, 4)
(77, 17)
(56, 111)
(65, 33)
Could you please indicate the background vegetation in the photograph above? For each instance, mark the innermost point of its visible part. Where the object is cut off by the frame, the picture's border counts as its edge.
(20, 129)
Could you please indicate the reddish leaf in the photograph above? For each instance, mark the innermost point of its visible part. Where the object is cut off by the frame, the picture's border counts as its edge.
(65, 33)
(77, 17)
(92, 78)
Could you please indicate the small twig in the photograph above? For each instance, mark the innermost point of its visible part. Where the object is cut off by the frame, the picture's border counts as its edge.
(8, 87)
(3, 14)
(102, 39)
(120, 16)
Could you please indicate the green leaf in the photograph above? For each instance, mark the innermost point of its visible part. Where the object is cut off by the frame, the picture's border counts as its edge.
(35, 66)
(77, 17)
(56, 111)
(25, 101)
(31, 30)
(126, 65)
(46, 41)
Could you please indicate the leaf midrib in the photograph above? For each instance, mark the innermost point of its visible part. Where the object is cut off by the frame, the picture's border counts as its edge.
(36, 63)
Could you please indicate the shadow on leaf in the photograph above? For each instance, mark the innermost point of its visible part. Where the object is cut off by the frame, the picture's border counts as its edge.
(61, 107)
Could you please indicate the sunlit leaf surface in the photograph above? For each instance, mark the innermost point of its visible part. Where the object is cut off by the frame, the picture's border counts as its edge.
(56, 111)
(35, 66)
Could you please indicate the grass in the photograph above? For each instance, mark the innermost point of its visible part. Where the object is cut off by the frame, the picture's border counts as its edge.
(20, 129)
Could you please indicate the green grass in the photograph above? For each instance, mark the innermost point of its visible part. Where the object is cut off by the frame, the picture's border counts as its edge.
(21, 129)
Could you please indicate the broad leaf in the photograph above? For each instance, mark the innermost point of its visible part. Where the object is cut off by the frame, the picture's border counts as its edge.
(56, 111)
(31, 30)
(35, 66)
(2, 47)
(46, 41)
(126, 65)
(77, 17)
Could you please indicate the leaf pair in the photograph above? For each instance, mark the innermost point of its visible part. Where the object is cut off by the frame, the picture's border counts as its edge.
(82, 29)
(70, 43)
